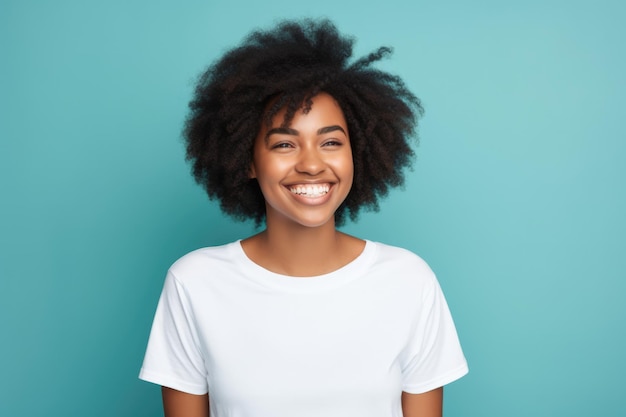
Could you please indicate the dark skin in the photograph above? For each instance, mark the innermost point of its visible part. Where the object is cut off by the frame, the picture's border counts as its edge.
(181, 404)
(314, 150)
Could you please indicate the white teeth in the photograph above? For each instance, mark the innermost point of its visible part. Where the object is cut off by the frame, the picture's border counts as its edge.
(314, 190)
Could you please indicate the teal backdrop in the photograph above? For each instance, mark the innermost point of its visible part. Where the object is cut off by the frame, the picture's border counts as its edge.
(517, 198)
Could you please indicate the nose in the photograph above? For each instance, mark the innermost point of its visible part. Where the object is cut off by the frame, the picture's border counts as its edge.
(310, 162)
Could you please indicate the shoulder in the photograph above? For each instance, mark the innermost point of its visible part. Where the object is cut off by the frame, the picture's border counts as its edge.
(198, 263)
(394, 256)
(402, 266)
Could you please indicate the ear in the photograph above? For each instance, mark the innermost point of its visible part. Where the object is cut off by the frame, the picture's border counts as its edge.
(252, 172)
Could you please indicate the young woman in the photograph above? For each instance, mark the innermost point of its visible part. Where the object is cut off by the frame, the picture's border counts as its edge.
(301, 319)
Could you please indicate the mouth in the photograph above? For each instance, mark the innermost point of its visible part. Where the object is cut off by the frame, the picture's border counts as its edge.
(310, 190)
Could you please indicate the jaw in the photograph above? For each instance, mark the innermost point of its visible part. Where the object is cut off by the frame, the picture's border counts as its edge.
(303, 210)
(309, 219)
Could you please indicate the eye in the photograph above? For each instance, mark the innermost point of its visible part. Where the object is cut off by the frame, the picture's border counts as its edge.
(332, 142)
(282, 145)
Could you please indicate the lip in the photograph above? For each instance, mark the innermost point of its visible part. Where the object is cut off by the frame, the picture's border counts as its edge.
(305, 182)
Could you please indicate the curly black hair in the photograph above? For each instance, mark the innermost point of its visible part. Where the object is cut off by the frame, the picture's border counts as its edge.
(287, 66)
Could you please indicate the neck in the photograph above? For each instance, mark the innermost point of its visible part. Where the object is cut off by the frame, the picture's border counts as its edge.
(301, 251)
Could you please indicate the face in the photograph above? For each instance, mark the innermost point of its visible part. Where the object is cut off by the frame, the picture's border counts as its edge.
(305, 171)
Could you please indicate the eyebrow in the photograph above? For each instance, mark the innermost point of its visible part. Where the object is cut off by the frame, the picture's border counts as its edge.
(294, 132)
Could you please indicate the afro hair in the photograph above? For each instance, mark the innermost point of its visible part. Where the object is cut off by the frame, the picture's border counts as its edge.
(284, 68)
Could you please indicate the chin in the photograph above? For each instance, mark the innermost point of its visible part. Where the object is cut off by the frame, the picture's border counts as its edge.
(303, 221)
(313, 223)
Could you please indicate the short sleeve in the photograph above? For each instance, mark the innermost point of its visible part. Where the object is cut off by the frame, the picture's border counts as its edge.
(434, 356)
(173, 358)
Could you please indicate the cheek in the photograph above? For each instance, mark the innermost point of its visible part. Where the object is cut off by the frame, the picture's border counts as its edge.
(349, 171)
(269, 170)
(347, 164)
(351, 177)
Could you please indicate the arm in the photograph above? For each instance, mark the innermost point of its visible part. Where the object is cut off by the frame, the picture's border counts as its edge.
(180, 404)
(428, 404)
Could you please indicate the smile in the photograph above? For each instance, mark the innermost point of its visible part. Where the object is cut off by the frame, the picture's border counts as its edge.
(310, 190)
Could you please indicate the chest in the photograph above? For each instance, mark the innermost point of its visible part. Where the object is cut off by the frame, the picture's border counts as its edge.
(326, 349)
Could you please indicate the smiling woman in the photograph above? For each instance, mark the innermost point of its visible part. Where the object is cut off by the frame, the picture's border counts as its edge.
(301, 319)
(305, 171)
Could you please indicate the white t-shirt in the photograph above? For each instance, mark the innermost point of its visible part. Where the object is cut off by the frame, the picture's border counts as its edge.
(343, 344)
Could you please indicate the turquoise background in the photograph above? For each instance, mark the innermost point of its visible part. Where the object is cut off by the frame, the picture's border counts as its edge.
(517, 199)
